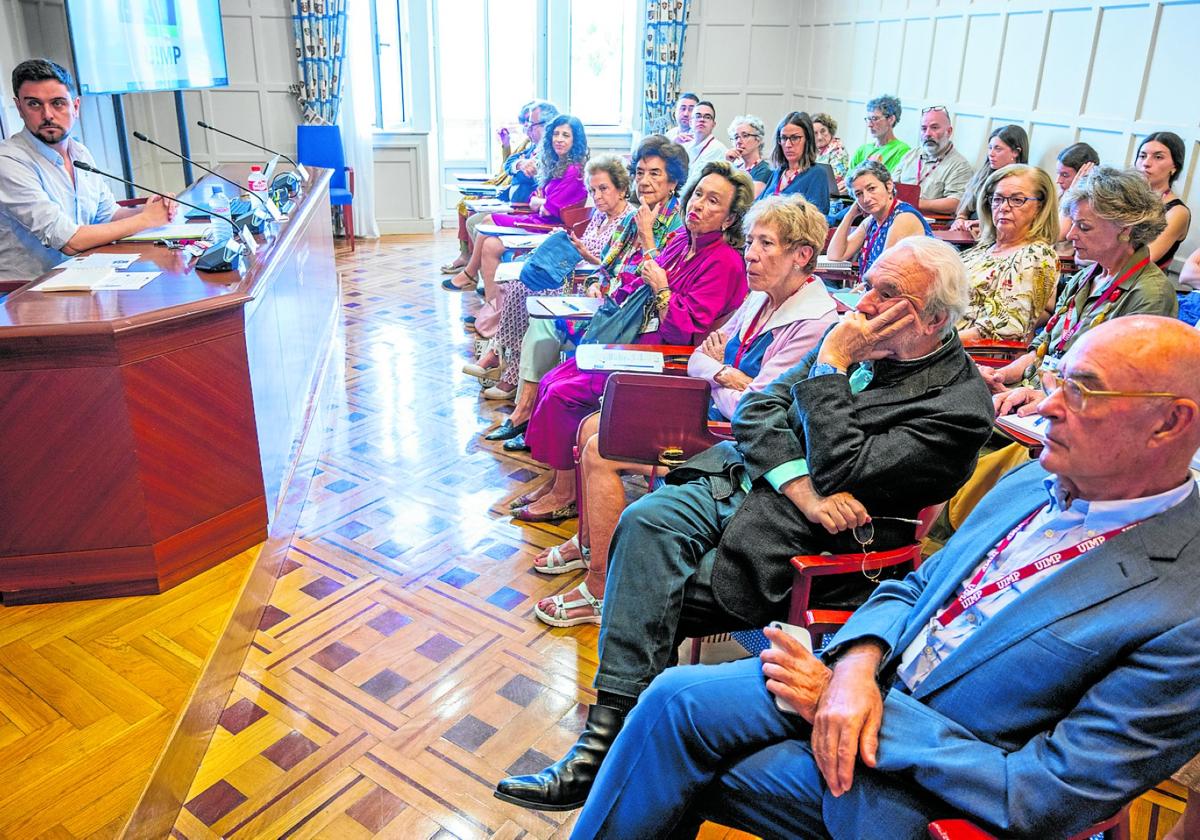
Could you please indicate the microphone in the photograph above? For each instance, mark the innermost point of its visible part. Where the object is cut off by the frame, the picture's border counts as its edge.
(216, 258)
(253, 222)
(299, 167)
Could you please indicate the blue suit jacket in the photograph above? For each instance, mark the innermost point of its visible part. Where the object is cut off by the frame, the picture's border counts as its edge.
(1064, 706)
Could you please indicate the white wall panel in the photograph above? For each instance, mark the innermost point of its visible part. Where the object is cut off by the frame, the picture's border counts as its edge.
(948, 35)
(1174, 69)
(1020, 60)
(886, 71)
(914, 58)
(984, 37)
(769, 50)
(1122, 43)
(1065, 65)
(725, 50)
(1046, 140)
(861, 72)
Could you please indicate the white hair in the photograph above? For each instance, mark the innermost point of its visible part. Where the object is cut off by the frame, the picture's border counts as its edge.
(949, 291)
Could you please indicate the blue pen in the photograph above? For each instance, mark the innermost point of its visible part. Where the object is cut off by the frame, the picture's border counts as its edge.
(571, 306)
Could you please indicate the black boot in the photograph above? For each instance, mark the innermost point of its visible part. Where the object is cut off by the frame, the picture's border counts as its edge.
(564, 785)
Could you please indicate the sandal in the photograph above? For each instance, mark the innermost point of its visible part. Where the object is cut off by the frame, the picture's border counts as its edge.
(472, 285)
(454, 267)
(556, 565)
(562, 608)
(523, 514)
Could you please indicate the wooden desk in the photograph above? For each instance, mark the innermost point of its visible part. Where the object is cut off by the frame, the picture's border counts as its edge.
(957, 238)
(146, 434)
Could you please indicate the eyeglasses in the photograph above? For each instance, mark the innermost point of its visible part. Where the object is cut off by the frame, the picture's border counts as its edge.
(536, 124)
(704, 117)
(786, 139)
(1076, 394)
(746, 136)
(1013, 201)
(864, 535)
(941, 108)
(873, 118)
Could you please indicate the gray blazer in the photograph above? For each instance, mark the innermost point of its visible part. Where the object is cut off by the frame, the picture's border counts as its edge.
(908, 440)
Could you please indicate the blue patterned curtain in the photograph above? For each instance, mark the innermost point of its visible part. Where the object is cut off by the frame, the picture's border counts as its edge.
(666, 26)
(319, 28)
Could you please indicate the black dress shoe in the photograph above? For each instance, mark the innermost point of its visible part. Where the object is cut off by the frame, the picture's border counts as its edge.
(507, 431)
(564, 785)
(516, 444)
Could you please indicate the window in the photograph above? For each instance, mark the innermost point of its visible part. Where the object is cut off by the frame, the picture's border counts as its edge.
(388, 25)
(604, 38)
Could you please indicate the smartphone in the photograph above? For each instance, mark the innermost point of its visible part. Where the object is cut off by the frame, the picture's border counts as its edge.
(801, 635)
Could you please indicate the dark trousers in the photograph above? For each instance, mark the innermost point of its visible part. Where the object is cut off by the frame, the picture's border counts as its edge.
(659, 588)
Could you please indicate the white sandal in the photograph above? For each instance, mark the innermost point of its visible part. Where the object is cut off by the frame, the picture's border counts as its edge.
(557, 565)
(562, 607)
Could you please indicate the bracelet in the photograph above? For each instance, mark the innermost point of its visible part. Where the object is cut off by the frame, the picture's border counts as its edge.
(662, 298)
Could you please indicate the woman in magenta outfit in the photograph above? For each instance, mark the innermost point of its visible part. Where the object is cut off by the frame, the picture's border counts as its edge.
(561, 157)
(697, 280)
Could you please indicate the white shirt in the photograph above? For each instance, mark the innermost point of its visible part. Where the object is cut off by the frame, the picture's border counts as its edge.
(40, 209)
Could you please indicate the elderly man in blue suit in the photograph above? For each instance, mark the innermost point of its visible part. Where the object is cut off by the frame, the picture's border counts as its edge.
(1034, 675)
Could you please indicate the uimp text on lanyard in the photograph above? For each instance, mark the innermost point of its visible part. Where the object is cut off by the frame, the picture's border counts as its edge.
(1071, 326)
(973, 593)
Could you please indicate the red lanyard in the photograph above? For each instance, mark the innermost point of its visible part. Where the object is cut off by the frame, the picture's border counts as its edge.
(1110, 294)
(921, 160)
(869, 242)
(973, 592)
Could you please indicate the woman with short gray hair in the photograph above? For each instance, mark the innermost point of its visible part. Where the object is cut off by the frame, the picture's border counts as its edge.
(747, 133)
(887, 219)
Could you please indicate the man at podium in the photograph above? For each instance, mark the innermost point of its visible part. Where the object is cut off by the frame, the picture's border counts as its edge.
(47, 210)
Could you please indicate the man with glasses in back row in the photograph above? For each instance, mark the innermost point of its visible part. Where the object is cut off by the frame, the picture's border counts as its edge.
(705, 147)
(1035, 675)
(936, 166)
(48, 210)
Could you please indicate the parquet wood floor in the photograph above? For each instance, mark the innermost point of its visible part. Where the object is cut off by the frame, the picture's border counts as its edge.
(89, 692)
(398, 670)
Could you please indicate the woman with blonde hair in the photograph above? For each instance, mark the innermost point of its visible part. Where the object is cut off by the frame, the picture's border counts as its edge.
(1013, 269)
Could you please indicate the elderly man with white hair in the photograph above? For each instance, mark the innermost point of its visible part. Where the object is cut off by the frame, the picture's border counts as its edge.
(883, 418)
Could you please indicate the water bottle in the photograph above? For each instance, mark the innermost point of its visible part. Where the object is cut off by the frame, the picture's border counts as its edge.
(257, 182)
(218, 203)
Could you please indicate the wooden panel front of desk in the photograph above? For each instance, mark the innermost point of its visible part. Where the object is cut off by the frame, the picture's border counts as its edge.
(129, 438)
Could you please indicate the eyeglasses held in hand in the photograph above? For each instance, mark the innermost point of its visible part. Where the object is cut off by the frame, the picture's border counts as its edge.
(864, 535)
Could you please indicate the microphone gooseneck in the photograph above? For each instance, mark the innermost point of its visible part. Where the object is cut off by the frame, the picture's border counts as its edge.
(157, 145)
(205, 125)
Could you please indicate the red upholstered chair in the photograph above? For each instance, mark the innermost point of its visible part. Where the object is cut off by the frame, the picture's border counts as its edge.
(809, 566)
(1114, 828)
(995, 353)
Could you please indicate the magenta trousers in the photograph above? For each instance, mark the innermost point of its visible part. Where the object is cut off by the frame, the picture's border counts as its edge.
(565, 396)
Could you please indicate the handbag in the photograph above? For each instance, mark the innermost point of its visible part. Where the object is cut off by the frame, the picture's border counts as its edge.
(551, 263)
(620, 323)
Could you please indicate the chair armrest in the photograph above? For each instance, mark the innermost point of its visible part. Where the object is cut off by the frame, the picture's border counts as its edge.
(840, 564)
(721, 429)
(350, 173)
(957, 830)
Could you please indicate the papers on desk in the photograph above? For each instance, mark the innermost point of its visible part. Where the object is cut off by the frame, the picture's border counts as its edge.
(482, 190)
(500, 230)
(599, 357)
(473, 177)
(506, 272)
(826, 264)
(1028, 430)
(525, 242)
(489, 205)
(569, 306)
(81, 279)
(102, 260)
(174, 231)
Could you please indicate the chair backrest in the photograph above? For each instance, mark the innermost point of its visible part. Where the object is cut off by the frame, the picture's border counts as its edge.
(645, 415)
(575, 219)
(321, 145)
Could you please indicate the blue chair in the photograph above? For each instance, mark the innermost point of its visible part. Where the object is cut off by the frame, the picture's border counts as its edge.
(321, 145)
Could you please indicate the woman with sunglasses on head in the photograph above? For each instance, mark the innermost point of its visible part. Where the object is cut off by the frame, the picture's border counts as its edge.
(1013, 269)
(746, 133)
(794, 156)
(887, 218)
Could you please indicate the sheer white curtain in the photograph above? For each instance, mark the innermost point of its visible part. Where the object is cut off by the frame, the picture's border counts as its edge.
(358, 116)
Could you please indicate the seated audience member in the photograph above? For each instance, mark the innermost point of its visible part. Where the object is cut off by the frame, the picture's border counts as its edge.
(697, 281)
(1013, 269)
(682, 132)
(660, 166)
(1032, 690)
(563, 153)
(608, 185)
(1160, 160)
(1114, 216)
(794, 156)
(1074, 162)
(882, 419)
(1189, 275)
(49, 210)
(531, 121)
(830, 149)
(883, 115)
(704, 147)
(887, 219)
(747, 133)
(781, 320)
(1007, 144)
(936, 166)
